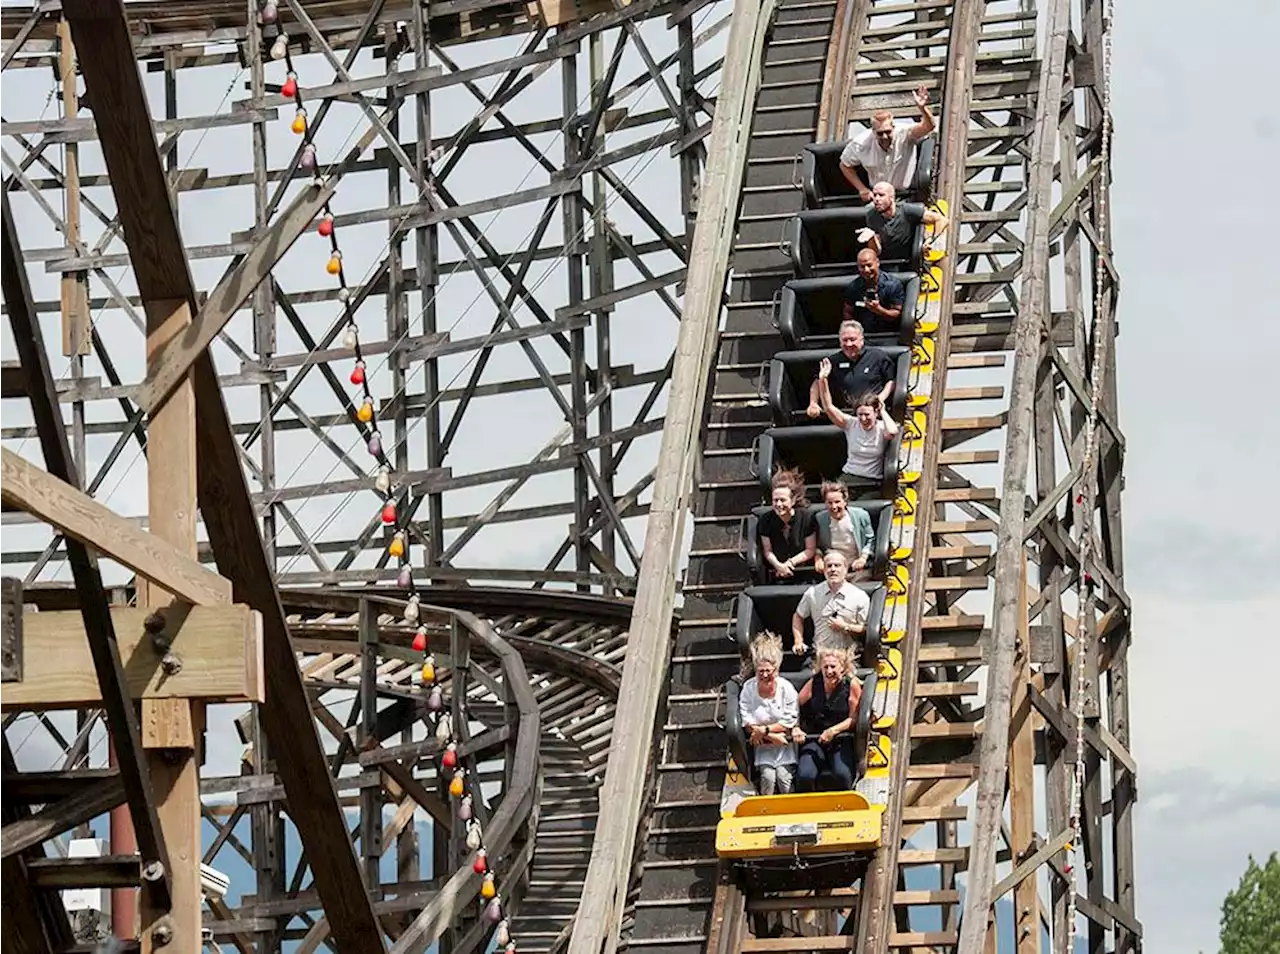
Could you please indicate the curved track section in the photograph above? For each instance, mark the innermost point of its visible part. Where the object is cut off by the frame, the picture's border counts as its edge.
(364, 679)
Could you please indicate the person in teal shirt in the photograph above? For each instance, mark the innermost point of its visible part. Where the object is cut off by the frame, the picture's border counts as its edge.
(844, 528)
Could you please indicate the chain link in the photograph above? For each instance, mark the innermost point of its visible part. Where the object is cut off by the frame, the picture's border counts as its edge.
(1087, 492)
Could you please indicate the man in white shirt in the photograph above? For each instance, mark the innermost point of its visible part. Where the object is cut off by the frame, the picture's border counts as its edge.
(886, 151)
(838, 609)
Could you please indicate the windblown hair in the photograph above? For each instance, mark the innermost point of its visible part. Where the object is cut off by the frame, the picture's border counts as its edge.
(766, 648)
(793, 480)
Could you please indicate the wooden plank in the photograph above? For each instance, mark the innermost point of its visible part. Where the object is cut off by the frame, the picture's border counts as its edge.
(127, 139)
(110, 871)
(78, 515)
(600, 914)
(60, 817)
(220, 648)
(1022, 786)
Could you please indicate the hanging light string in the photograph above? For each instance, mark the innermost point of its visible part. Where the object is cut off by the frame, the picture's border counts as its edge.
(461, 793)
(404, 578)
(1087, 492)
(366, 413)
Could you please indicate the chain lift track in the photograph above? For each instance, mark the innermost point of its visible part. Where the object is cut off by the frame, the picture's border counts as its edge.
(1020, 227)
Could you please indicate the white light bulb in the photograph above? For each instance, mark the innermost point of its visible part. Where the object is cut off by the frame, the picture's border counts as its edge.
(280, 47)
(351, 338)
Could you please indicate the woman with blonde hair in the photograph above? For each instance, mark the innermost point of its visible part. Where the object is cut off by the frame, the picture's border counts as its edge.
(770, 711)
(828, 711)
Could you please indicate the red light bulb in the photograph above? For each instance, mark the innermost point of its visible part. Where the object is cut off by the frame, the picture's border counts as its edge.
(449, 759)
(357, 373)
(290, 87)
(389, 512)
(479, 866)
(325, 227)
(419, 642)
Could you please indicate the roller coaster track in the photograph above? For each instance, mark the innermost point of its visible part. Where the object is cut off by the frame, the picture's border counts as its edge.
(828, 63)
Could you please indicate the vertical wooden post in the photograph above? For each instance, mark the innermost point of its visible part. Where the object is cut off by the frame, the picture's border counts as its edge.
(75, 298)
(371, 797)
(1022, 790)
(171, 727)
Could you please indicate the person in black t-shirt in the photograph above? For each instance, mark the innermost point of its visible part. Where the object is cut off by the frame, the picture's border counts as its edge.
(875, 298)
(855, 370)
(787, 534)
(892, 226)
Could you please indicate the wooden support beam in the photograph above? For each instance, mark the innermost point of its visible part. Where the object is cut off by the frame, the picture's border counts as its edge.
(60, 816)
(173, 363)
(78, 515)
(127, 138)
(1022, 787)
(217, 651)
(1010, 550)
(600, 913)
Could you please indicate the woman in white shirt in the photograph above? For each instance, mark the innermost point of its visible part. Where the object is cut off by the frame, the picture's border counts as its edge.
(867, 432)
(770, 709)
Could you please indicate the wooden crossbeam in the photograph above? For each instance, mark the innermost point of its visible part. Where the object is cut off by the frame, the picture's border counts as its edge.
(219, 649)
(78, 515)
(174, 362)
(60, 817)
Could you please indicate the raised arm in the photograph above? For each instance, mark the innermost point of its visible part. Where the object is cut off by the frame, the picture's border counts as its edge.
(890, 425)
(837, 416)
(926, 124)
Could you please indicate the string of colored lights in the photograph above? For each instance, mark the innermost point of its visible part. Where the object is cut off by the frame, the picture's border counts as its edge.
(545, 275)
(398, 548)
(366, 412)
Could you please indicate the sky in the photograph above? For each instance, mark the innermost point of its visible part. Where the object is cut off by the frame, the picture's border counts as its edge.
(1201, 566)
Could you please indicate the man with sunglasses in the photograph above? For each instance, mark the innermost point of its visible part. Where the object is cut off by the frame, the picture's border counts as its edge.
(887, 152)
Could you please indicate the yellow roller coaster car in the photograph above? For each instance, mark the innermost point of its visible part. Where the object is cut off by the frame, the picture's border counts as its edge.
(813, 823)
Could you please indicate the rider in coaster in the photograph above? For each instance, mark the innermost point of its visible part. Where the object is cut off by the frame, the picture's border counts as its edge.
(838, 609)
(867, 434)
(786, 534)
(875, 298)
(845, 529)
(854, 370)
(828, 710)
(891, 225)
(770, 709)
(886, 150)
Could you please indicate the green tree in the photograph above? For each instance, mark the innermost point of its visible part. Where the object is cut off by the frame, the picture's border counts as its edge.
(1251, 913)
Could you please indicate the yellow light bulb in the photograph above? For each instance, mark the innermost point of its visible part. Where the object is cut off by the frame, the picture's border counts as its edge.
(335, 264)
(396, 548)
(428, 673)
(455, 787)
(487, 890)
(299, 124)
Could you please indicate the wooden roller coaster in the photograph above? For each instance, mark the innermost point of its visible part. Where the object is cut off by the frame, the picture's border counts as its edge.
(440, 730)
